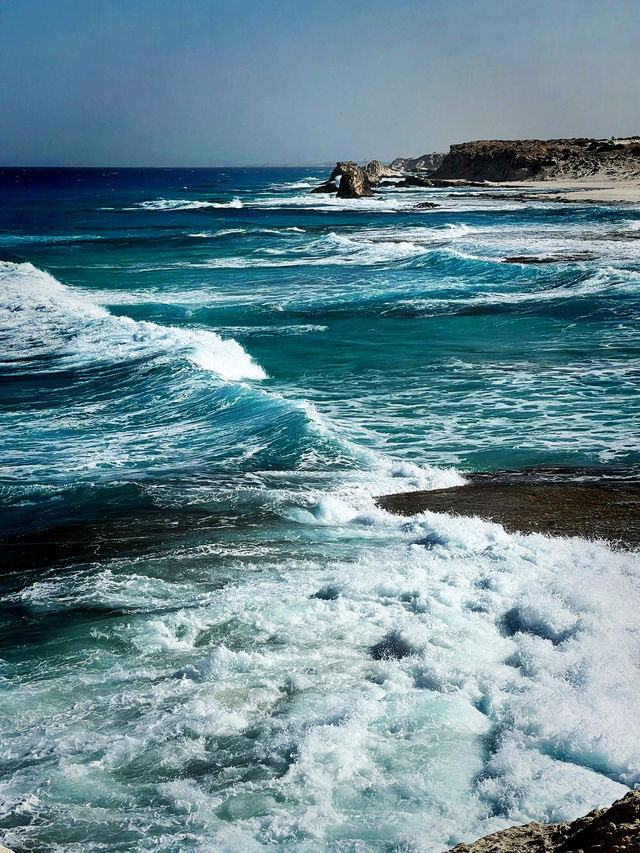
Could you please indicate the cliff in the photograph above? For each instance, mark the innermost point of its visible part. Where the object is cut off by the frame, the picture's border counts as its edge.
(425, 163)
(534, 159)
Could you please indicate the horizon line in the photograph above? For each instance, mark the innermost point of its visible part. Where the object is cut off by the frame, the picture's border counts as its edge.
(324, 164)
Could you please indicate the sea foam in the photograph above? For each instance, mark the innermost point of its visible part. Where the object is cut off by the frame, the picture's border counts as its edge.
(184, 204)
(39, 315)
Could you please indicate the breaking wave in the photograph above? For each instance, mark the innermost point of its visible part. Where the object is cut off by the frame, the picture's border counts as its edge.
(184, 204)
(40, 316)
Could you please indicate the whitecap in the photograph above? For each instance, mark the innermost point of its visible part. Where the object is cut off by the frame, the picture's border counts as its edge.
(183, 204)
(39, 315)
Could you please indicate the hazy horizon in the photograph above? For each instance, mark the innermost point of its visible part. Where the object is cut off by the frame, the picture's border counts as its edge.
(205, 84)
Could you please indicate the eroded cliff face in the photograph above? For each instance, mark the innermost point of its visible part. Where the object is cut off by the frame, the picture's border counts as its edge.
(533, 159)
(612, 830)
(425, 163)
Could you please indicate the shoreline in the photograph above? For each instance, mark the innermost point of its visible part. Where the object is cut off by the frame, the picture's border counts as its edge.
(580, 190)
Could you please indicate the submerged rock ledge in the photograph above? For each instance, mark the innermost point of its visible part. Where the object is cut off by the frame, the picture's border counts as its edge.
(557, 503)
(612, 830)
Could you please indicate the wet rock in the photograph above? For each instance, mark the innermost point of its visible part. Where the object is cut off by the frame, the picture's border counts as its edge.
(549, 259)
(609, 830)
(577, 502)
(416, 181)
(327, 593)
(327, 187)
(354, 182)
(425, 205)
(392, 646)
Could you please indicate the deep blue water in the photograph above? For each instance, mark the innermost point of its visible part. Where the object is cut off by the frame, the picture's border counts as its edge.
(207, 376)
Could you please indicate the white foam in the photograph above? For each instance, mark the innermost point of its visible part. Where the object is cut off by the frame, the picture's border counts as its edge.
(184, 204)
(38, 314)
(455, 738)
(333, 249)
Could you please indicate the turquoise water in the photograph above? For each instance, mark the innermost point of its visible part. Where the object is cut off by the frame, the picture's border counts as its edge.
(207, 376)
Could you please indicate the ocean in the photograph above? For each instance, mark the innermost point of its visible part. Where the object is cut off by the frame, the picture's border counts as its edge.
(212, 639)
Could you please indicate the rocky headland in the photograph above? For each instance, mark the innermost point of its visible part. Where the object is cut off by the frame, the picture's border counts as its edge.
(578, 170)
(612, 830)
(538, 160)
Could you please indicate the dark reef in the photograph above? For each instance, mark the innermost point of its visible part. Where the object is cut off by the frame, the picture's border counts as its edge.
(591, 504)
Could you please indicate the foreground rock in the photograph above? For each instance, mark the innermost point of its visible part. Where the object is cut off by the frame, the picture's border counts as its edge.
(611, 830)
(560, 503)
(536, 159)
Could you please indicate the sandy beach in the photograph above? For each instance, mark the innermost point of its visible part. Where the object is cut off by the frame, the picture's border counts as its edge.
(599, 190)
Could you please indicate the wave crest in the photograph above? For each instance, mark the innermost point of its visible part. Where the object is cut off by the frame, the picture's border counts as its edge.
(41, 317)
(183, 204)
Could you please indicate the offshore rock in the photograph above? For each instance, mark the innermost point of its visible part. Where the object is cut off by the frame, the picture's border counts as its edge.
(415, 181)
(375, 171)
(612, 830)
(327, 187)
(354, 182)
(340, 166)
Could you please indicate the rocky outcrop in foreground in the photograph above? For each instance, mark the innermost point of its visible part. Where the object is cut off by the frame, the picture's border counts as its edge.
(612, 830)
(554, 502)
(535, 159)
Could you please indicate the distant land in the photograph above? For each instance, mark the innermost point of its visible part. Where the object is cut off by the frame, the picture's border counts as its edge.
(533, 159)
(581, 169)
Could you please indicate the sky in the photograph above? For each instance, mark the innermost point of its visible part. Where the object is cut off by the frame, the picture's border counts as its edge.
(303, 82)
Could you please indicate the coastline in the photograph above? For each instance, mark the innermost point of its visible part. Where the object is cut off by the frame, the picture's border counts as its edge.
(178, 541)
(580, 190)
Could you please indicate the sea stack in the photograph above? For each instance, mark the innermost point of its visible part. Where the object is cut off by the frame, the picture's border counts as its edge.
(354, 181)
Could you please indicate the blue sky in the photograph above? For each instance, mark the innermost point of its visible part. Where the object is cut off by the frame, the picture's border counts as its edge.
(215, 82)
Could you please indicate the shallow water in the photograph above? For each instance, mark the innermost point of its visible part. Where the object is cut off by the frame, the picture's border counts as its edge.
(212, 638)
